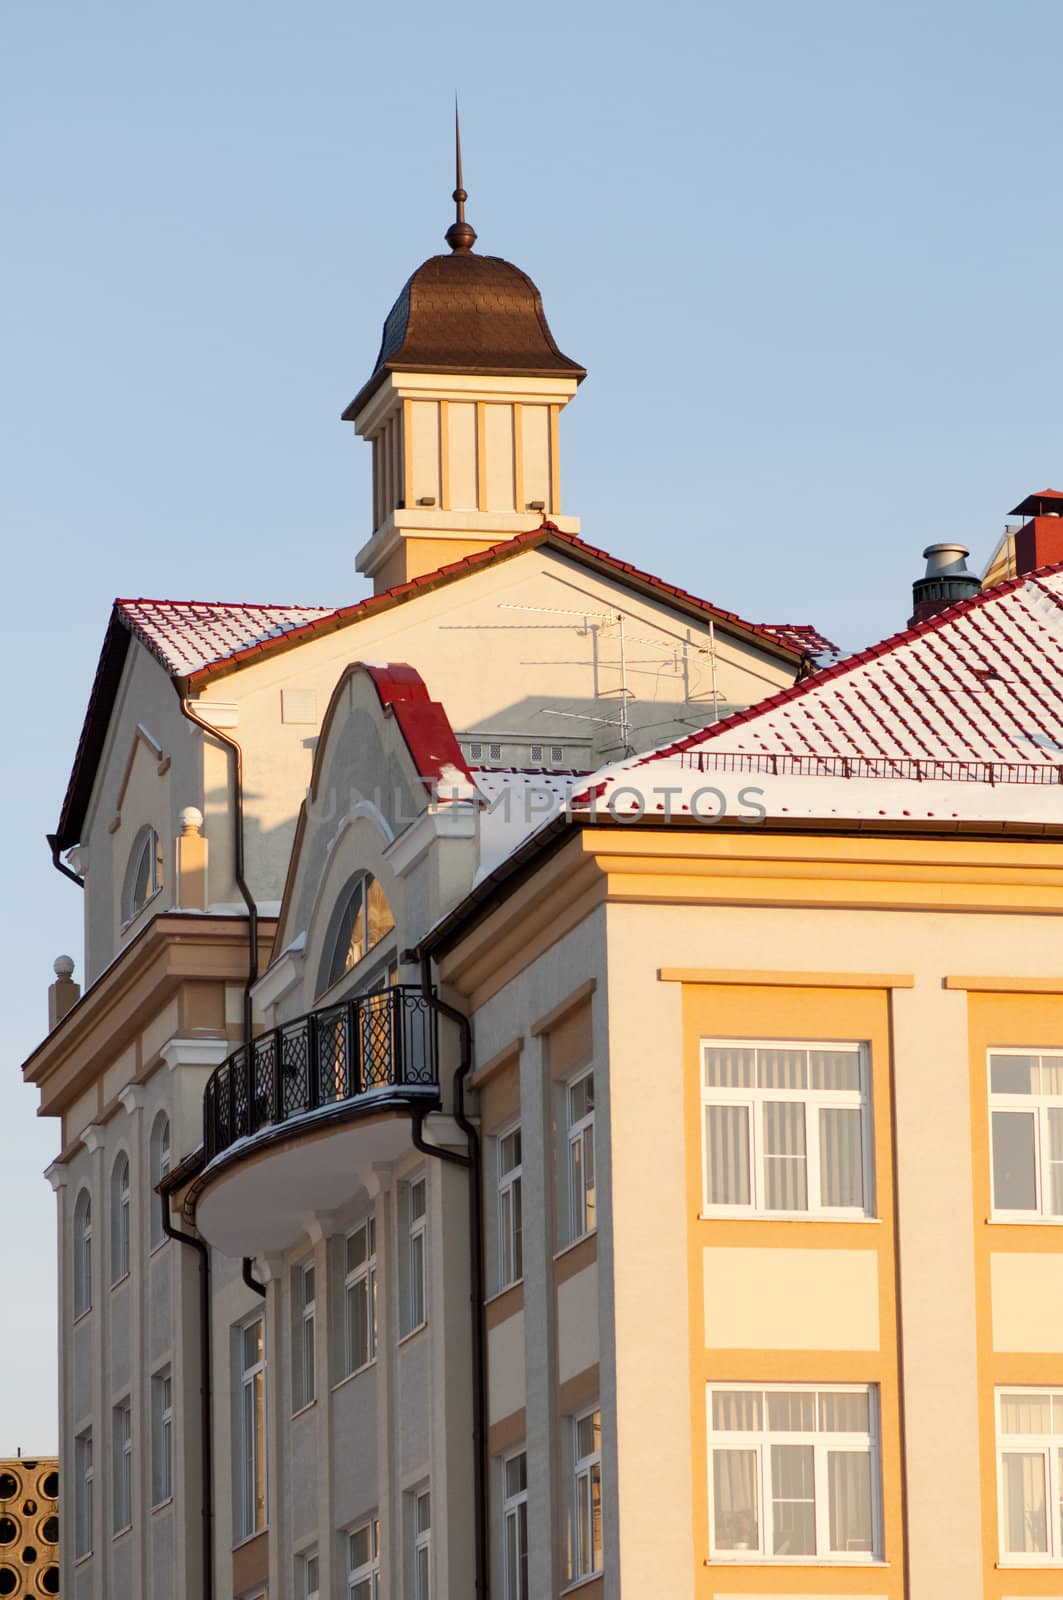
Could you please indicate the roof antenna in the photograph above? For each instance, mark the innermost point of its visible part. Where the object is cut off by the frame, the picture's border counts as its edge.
(460, 236)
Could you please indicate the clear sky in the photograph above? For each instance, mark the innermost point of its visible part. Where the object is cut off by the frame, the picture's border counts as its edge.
(809, 253)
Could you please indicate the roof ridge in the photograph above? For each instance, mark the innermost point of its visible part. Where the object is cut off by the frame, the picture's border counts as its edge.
(226, 605)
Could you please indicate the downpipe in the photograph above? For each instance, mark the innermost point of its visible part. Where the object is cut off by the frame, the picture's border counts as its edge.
(200, 1246)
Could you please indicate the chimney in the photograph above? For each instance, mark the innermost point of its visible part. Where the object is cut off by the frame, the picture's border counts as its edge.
(945, 581)
(1039, 542)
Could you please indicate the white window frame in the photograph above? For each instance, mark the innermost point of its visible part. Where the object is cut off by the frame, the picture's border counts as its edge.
(82, 1254)
(363, 1576)
(251, 1422)
(304, 1354)
(586, 1472)
(510, 1210)
(121, 1204)
(161, 1436)
(122, 1466)
(822, 1442)
(515, 1529)
(422, 1544)
(580, 1135)
(753, 1101)
(146, 843)
(159, 1160)
(84, 1481)
(1049, 1446)
(1038, 1107)
(360, 1282)
(415, 1247)
(309, 1569)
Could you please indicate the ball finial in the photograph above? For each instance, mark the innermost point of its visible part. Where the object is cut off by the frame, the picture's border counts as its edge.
(63, 966)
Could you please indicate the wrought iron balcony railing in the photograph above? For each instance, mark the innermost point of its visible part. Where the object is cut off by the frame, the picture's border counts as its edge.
(332, 1057)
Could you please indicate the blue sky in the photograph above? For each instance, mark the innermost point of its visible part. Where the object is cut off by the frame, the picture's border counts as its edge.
(810, 255)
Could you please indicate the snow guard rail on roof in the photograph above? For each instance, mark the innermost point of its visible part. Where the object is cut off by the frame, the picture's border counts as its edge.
(816, 766)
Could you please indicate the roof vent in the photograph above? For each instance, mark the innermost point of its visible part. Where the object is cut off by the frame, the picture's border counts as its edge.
(945, 581)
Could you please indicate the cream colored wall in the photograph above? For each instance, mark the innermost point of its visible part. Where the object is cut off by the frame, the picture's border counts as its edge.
(790, 1299)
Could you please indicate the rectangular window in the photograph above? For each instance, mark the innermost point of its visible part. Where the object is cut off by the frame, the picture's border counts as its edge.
(586, 1542)
(1030, 1475)
(422, 1546)
(122, 1466)
(582, 1205)
(515, 1525)
(414, 1285)
(83, 1494)
(308, 1570)
(794, 1473)
(363, 1562)
(303, 1307)
(360, 1297)
(510, 1211)
(786, 1128)
(161, 1437)
(1026, 1125)
(251, 1422)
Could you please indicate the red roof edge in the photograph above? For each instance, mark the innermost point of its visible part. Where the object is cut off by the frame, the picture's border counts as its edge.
(422, 722)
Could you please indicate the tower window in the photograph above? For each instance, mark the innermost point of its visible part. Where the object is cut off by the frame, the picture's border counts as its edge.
(143, 874)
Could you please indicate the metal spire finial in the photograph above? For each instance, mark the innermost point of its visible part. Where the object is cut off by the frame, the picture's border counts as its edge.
(460, 235)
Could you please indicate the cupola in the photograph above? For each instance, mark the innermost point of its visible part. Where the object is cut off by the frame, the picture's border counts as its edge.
(462, 409)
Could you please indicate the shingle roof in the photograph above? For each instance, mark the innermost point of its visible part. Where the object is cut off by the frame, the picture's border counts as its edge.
(188, 635)
(972, 696)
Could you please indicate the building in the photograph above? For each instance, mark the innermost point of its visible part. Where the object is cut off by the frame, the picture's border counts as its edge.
(270, 1378)
(29, 1526)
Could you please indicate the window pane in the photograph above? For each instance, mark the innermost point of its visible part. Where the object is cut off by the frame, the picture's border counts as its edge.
(791, 1412)
(360, 1548)
(841, 1158)
(844, 1413)
(835, 1069)
(1013, 1074)
(581, 1099)
(1054, 1186)
(736, 1410)
(1052, 1075)
(380, 919)
(849, 1490)
(728, 1069)
(727, 1155)
(1025, 1521)
(516, 1475)
(1014, 1182)
(782, 1069)
(509, 1151)
(417, 1199)
(785, 1173)
(734, 1487)
(588, 1434)
(252, 1345)
(416, 1280)
(356, 1249)
(1025, 1414)
(793, 1500)
(424, 1513)
(358, 1325)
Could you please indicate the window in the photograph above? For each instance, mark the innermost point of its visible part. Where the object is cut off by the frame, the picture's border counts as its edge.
(251, 1422)
(303, 1305)
(586, 1544)
(515, 1525)
(786, 1128)
(422, 1546)
(1026, 1114)
(82, 1254)
(556, 752)
(537, 754)
(83, 1480)
(510, 1220)
(413, 1288)
(120, 1219)
(143, 874)
(363, 1562)
(308, 1569)
(159, 1165)
(360, 1297)
(1030, 1475)
(794, 1473)
(582, 1209)
(122, 1465)
(362, 920)
(161, 1436)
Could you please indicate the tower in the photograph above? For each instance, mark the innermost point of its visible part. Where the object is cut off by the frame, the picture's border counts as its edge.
(462, 410)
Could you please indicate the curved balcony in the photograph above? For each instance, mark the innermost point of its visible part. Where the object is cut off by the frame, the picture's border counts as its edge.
(292, 1125)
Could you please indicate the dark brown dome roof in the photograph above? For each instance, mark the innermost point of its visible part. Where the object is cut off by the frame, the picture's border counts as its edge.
(467, 313)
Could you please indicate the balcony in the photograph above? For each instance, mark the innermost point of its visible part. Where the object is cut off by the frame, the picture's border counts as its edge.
(293, 1125)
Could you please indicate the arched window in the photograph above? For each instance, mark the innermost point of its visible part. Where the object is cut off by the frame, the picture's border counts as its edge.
(82, 1253)
(143, 878)
(159, 1163)
(362, 918)
(120, 1218)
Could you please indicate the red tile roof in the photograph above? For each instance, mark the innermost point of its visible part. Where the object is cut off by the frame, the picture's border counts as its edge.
(188, 635)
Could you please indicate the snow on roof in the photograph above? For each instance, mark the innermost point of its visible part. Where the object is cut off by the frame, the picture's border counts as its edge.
(958, 717)
(188, 635)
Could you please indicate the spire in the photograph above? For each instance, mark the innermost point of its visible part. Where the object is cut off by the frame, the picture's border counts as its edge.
(460, 236)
